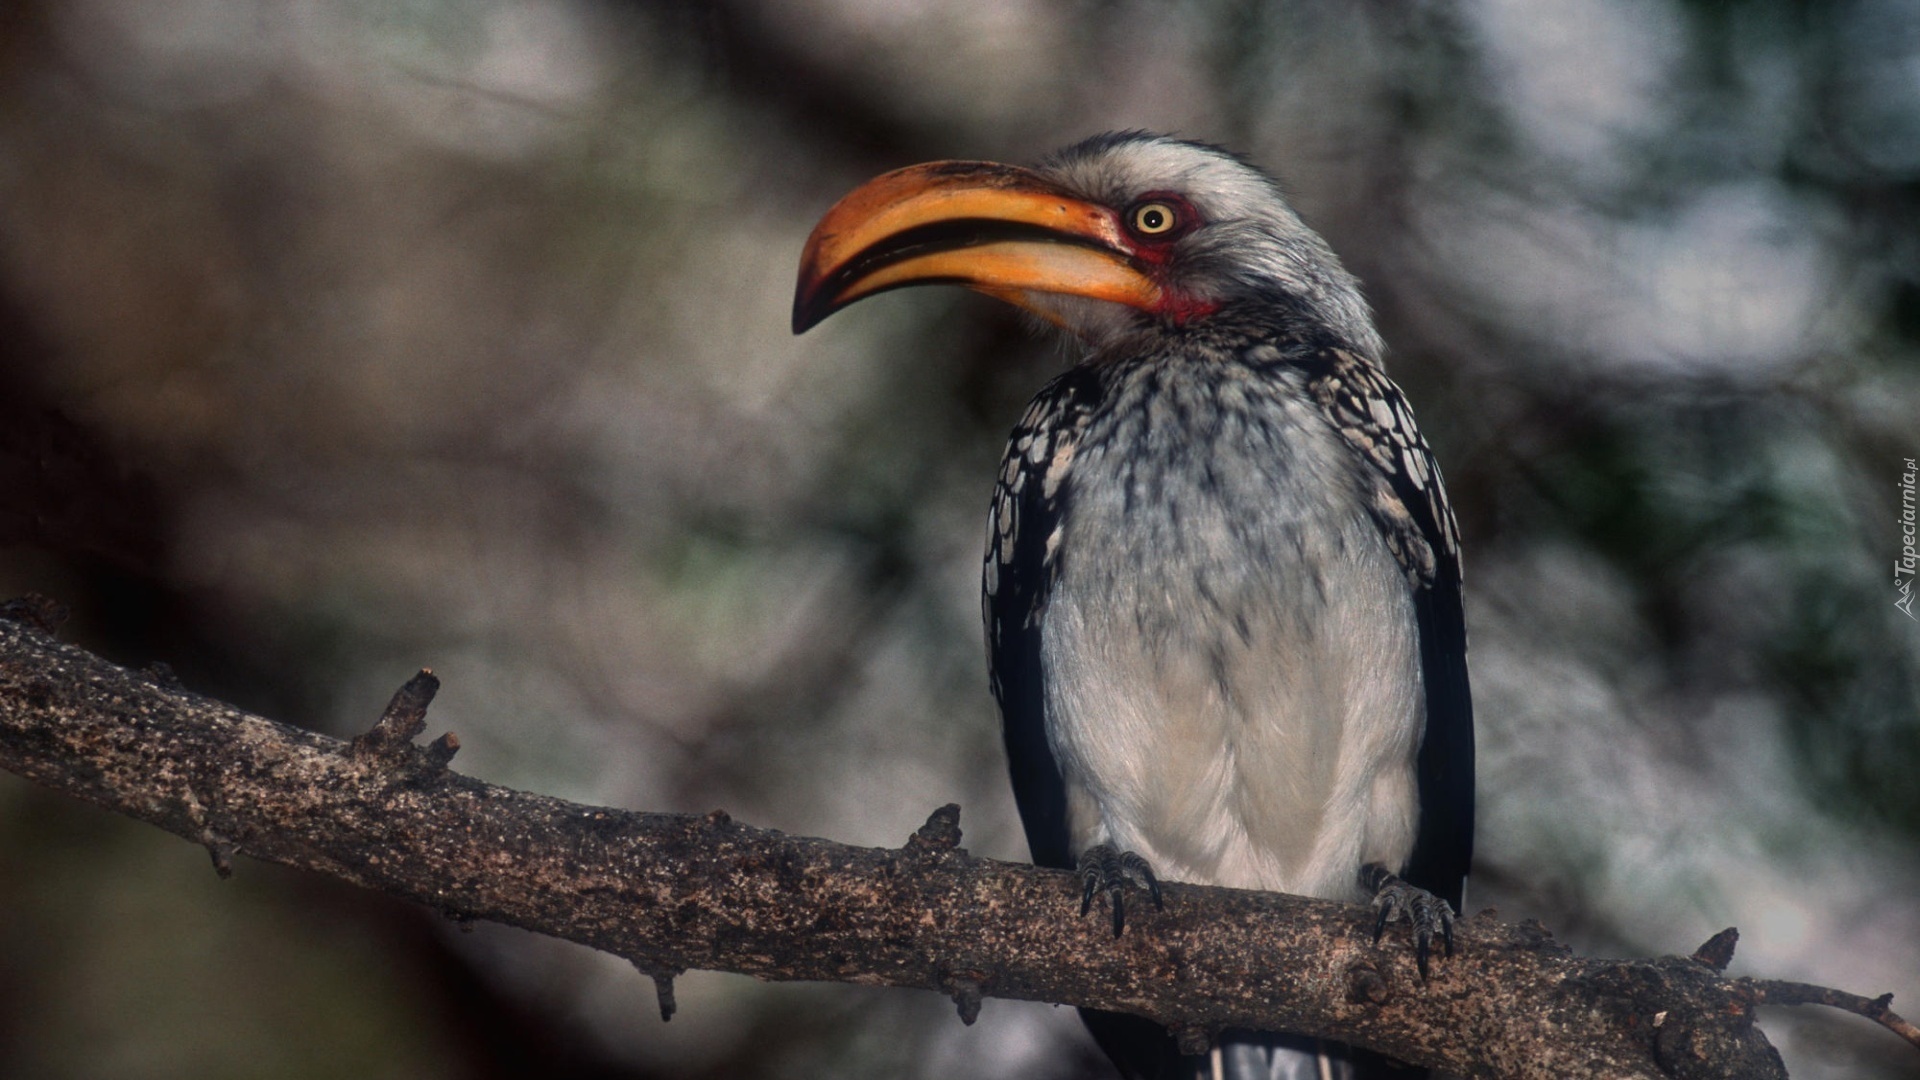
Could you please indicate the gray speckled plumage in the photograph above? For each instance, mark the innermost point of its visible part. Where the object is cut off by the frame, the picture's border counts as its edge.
(1232, 682)
(1222, 578)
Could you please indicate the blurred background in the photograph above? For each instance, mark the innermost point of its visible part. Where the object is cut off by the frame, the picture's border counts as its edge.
(341, 338)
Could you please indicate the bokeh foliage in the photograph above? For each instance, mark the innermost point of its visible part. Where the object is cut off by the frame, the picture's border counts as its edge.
(345, 338)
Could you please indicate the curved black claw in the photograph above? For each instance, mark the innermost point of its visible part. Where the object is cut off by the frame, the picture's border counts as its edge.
(1397, 901)
(1105, 868)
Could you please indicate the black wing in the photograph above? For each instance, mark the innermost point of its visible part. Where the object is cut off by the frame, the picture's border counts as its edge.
(1021, 562)
(1443, 849)
(1411, 507)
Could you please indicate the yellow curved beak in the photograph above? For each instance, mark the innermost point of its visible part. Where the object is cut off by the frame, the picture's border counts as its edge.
(1002, 230)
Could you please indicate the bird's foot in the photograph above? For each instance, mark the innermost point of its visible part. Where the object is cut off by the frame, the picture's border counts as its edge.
(1396, 901)
(1105, 868)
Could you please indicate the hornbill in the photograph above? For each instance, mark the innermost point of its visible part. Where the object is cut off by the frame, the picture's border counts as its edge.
(1222, 580)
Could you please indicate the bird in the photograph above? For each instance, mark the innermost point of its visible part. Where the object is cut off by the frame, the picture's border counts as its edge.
(1222, 583)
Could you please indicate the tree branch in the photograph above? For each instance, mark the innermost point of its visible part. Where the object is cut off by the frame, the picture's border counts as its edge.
(675, 892)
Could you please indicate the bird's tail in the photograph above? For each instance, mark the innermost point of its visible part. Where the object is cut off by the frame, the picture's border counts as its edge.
(1264, 1055)
(1143, 1050)
(1261, 1055)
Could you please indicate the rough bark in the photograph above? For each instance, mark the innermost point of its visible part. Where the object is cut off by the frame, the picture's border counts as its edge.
(674, 892)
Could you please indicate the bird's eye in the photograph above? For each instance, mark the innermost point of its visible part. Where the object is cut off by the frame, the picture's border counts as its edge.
(1153, 218)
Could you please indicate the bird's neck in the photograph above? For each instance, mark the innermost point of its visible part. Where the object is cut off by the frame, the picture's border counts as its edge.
(1291, 331)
